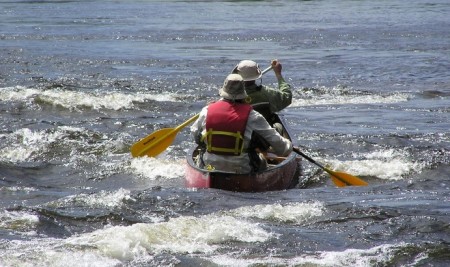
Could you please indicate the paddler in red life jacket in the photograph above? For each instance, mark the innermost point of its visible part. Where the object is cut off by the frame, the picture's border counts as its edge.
(225, 129)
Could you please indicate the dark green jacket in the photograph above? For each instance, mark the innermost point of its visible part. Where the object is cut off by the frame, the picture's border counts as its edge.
(278, 99)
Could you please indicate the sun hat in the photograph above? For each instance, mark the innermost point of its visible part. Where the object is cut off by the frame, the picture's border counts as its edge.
(233, 87)
(248, 69)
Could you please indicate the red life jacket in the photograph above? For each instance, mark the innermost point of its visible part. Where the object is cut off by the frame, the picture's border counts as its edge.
(225, 127)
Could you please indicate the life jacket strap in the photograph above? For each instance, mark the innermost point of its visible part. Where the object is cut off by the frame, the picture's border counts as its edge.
(238, 145)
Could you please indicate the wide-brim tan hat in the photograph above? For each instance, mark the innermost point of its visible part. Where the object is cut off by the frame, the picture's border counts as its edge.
(233, 87)
(248, 69)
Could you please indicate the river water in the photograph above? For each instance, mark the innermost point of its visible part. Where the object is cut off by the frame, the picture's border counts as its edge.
(81, 81)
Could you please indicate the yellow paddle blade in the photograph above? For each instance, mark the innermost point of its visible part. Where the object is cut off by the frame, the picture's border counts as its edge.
(337, 182)
(155, 143)
(342, 179)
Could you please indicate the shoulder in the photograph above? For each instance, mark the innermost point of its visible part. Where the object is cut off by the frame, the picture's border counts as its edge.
(268, 89)
(256, 117)
(204, 111)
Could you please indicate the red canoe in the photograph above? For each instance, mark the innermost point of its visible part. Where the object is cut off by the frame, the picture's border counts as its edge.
(282, 173)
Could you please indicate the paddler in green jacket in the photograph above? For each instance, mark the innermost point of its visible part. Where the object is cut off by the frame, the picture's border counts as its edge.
(278, 99)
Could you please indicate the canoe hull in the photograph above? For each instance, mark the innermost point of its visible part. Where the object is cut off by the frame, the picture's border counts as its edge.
(280, 177)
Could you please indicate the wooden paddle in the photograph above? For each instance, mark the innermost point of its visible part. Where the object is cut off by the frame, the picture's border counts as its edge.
(340, 179)
(158, 141)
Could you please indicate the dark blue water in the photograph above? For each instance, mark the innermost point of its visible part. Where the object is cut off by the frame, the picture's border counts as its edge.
(81, 81)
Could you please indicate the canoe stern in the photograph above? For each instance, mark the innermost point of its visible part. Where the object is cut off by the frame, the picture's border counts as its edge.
(195, 178)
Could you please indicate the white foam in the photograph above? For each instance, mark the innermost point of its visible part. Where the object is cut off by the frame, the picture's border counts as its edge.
(139, 242)
(180, 235)
(349, 257)
(198, 236)
(75, 100)
(341, 96)
(24, 189)
(189, 234)
(50, 252)
(102, 199)
(18, 93)
(18, 220)
(288, 213)
(389, 164)
(157, 168)
(353, 257)
(25, 143)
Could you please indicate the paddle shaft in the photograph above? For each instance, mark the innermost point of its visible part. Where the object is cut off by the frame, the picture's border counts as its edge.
(266, 70)
(296, 150)
(184, 124)
(342, 179)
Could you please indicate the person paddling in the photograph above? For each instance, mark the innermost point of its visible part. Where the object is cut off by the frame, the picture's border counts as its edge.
(225, 129)
(278, 99)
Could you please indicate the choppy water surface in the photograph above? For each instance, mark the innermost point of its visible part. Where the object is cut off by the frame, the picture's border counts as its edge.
(81, 81)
